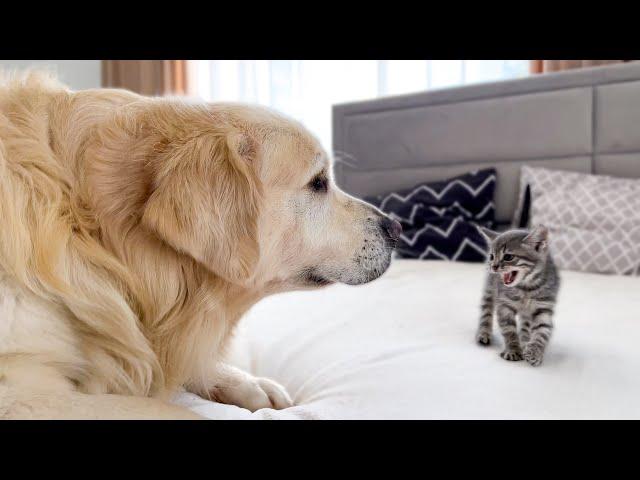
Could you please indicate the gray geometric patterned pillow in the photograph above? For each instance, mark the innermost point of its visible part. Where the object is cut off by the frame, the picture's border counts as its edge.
(594, 220)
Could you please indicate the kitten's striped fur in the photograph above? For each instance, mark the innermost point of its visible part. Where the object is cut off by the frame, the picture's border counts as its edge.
(529, 293)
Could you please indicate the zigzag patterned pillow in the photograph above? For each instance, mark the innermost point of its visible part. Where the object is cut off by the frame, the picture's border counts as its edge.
(439, 218)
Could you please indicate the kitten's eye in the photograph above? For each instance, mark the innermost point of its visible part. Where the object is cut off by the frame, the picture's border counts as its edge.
(507, 257)
(319, 183)
(491, 257)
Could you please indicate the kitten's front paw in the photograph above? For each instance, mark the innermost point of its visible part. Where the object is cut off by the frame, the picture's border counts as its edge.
(483, 338)
(533, 355)
(512, 355)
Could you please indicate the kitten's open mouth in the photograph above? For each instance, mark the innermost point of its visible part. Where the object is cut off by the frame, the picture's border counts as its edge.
(509, 278)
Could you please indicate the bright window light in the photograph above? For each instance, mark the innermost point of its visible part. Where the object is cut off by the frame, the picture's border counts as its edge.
(306, 89)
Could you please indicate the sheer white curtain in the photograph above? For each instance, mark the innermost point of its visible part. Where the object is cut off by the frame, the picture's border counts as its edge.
(306, 89)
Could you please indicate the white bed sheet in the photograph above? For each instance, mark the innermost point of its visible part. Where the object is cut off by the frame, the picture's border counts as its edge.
(402, 347)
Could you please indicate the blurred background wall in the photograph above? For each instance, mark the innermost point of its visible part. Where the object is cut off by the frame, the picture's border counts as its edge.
(78, 74)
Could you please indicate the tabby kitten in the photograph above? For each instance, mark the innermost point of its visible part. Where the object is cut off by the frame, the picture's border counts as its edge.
(523, 281)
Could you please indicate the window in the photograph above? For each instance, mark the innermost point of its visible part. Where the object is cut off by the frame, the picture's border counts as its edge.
(306, 89)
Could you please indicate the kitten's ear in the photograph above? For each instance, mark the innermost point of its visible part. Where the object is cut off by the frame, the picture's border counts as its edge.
(539, 238)
(488, 234)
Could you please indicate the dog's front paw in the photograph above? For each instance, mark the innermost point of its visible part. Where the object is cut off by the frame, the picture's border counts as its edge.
(533, 355)
(278, 396)
(253, 393)
(512, 355)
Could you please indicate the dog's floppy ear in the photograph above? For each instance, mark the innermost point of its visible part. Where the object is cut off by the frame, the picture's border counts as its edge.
(205, 201)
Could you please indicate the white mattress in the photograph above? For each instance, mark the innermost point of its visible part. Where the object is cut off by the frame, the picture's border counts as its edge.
(402, 347)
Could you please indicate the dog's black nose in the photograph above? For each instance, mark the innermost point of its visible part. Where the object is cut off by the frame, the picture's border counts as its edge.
(391, 227)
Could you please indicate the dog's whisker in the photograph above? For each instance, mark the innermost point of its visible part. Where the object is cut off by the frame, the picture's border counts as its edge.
(345, 158)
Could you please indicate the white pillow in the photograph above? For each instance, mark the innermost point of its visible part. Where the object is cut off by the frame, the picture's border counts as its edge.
(594, 220)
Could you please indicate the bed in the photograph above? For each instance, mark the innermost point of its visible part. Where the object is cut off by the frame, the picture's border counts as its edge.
(402, 347)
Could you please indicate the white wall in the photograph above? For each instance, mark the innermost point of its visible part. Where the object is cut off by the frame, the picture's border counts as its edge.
(77, 74)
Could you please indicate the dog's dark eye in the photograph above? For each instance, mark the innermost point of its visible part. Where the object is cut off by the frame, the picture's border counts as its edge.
(319, 183)
(507, 257)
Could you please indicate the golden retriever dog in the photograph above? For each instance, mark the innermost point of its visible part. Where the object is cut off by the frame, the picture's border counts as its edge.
(134, 234)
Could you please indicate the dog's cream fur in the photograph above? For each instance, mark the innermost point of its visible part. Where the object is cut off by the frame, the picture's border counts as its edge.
(135, 232)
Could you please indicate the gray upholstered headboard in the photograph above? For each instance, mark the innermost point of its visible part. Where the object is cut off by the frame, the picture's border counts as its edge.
(587, 120)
